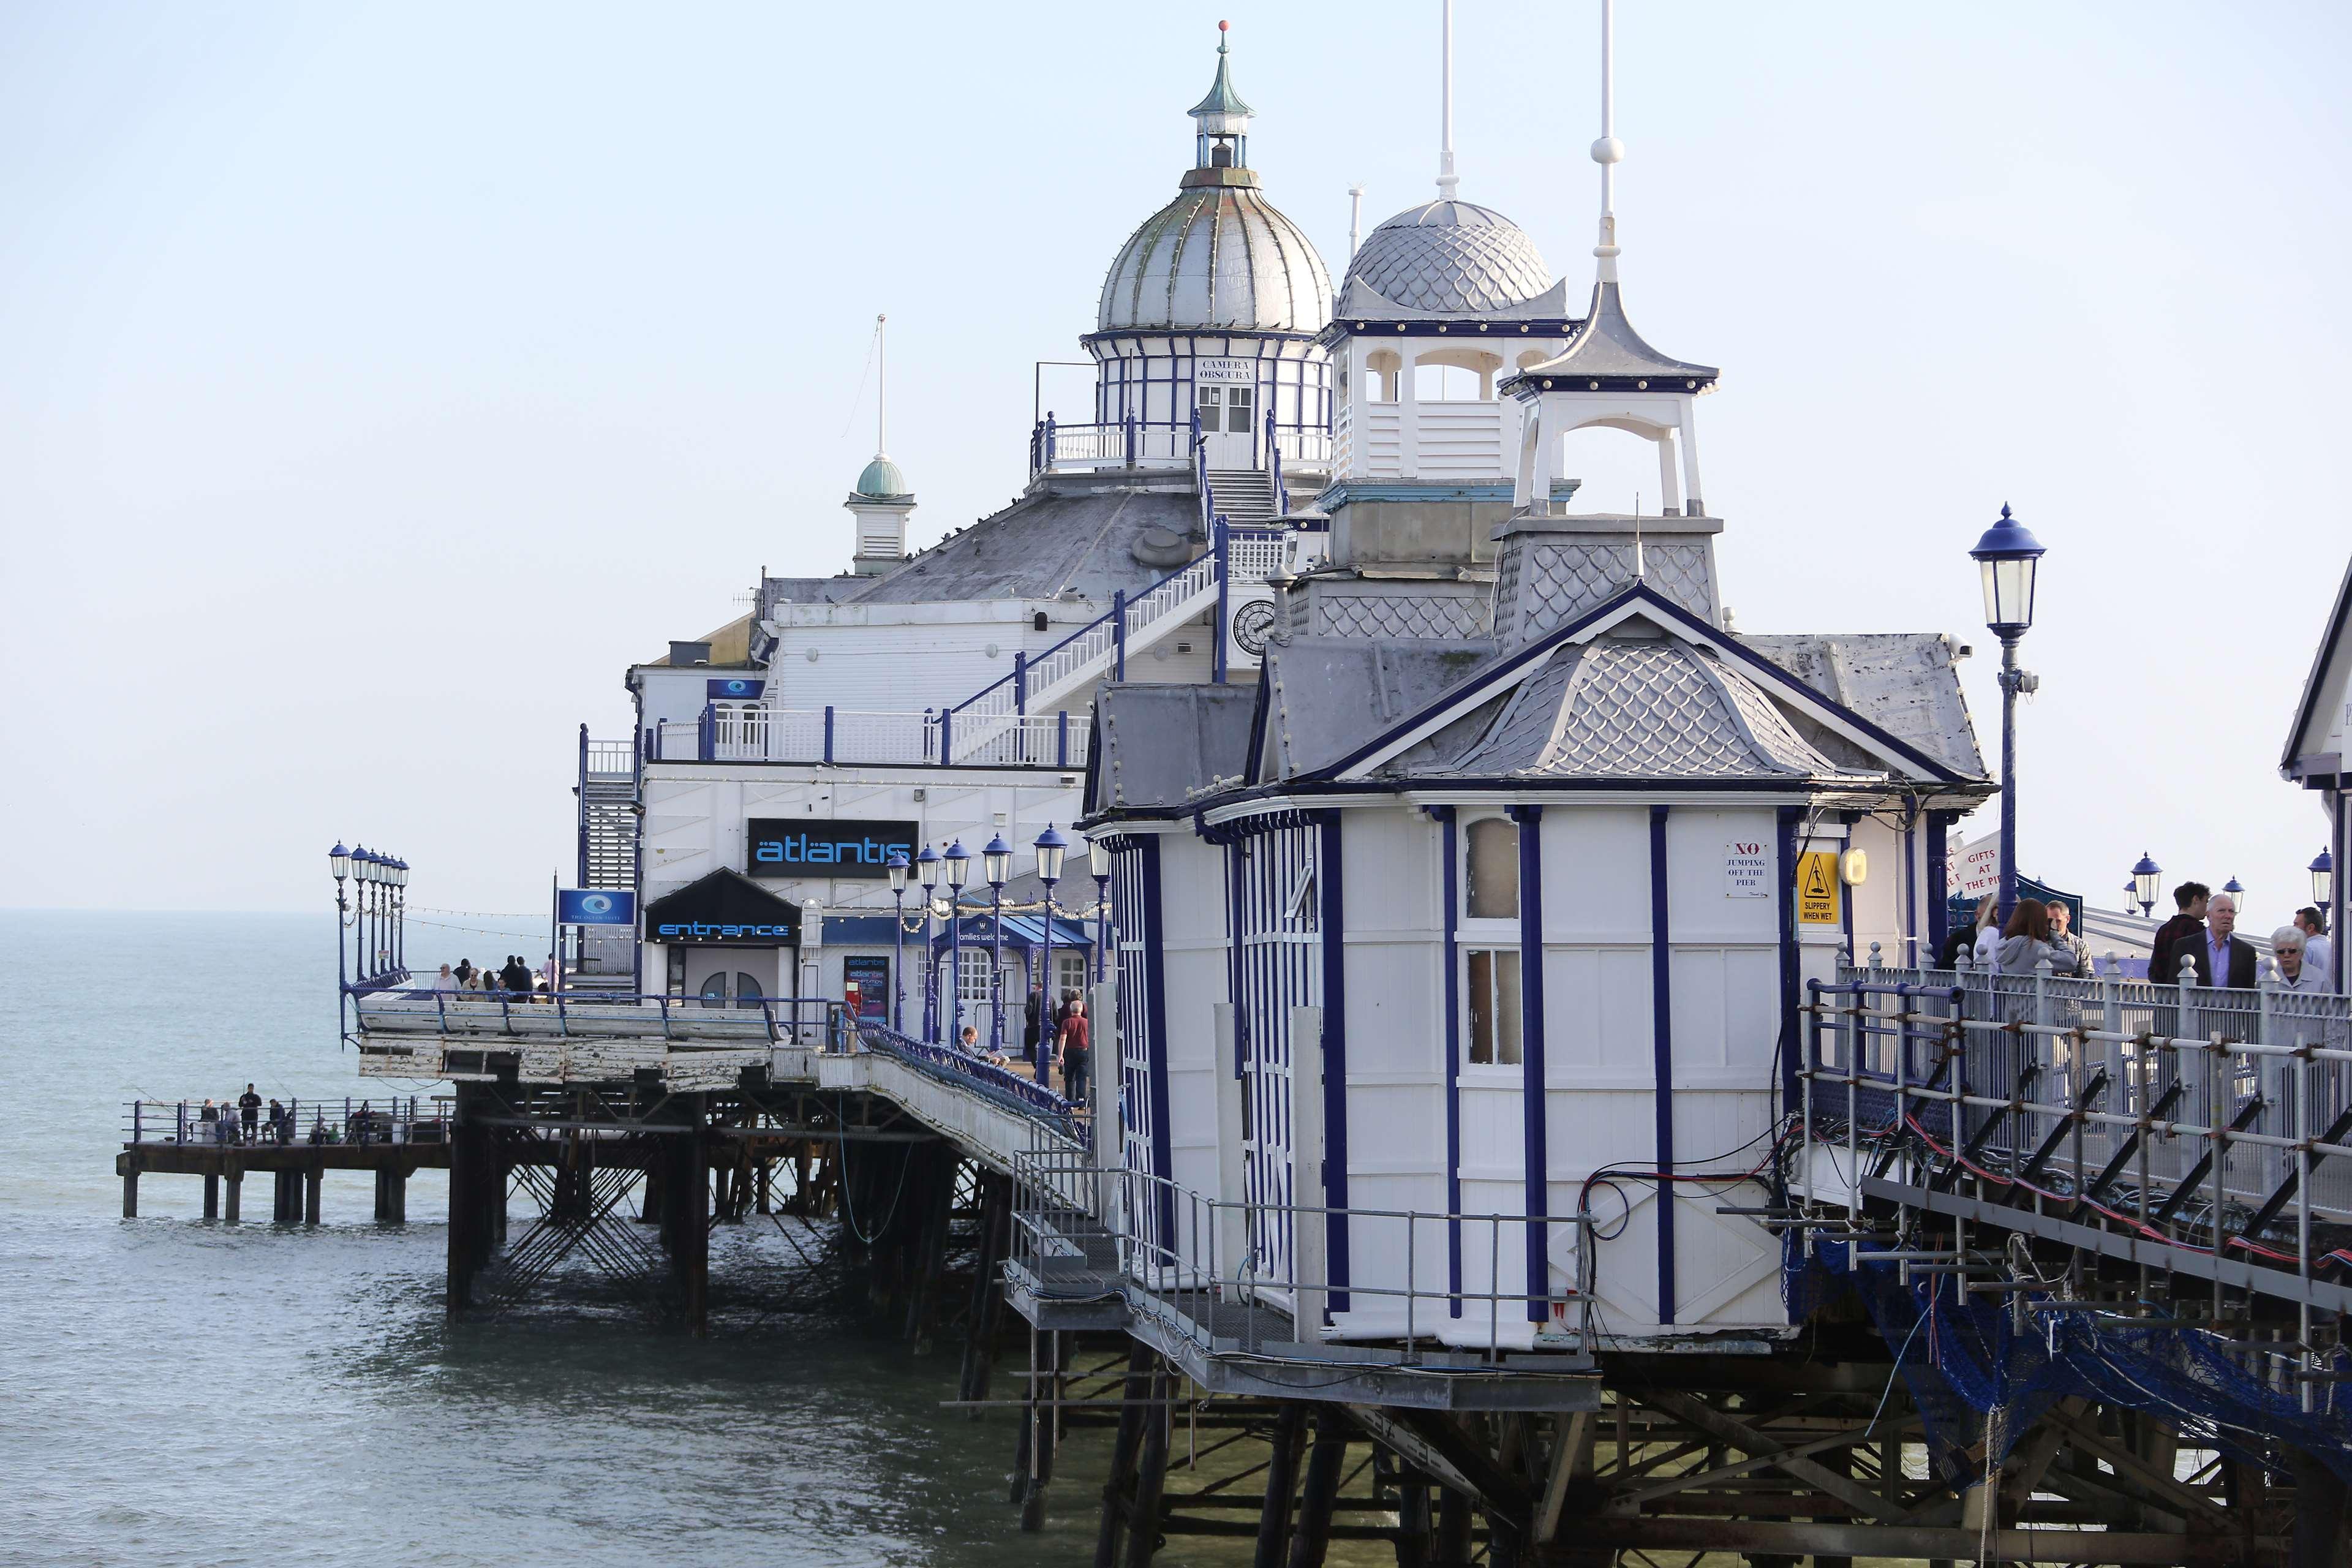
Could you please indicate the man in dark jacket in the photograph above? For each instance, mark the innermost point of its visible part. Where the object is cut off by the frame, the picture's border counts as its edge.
(2187, 926)
(2223, 958)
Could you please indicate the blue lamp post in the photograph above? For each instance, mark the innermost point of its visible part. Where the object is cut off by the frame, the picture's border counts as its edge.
(1050, 846)
(957, 864)
(363, 916)
(996, 865)
(339, 862)
(2146, 878)
(898, 867)
(2323, 880)
(2237, 894)
(926, 873)
(2009, 558)
(1098, 862)
(400, 916)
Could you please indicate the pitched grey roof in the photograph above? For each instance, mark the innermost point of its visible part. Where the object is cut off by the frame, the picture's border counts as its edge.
(1156, 744)
(1329, 696)
(1904, 682)
(1609, 349)
(1063, 536)
(1636, 708)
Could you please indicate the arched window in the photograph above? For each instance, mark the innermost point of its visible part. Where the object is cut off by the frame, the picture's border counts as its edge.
(1381, 370)
(1490, 952)
(1454, 375)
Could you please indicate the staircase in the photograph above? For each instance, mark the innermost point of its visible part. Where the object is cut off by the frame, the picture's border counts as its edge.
(1245, 497)
(608, 859)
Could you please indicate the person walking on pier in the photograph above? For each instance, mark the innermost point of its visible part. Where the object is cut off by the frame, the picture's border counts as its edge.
(2178, 936)
(2291, 945)
(1077, 1054)
(2318, 952)
(2224, 958)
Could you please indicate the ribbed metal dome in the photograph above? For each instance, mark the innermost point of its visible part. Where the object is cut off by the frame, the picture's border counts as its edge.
(1452, 257)
(883, 481)
(1217, 256)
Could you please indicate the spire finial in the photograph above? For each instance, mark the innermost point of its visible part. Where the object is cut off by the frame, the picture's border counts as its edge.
(1354, 218)
(1223, 26)
(1608, 151)
(881, 390)
(1446, 176)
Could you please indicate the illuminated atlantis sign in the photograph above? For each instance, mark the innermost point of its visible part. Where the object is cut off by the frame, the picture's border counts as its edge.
(780, 846)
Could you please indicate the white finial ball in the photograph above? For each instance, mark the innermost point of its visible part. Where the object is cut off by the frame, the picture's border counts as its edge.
(1609, 150)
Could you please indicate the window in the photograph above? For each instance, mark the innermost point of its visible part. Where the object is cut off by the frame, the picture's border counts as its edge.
(1454, 375)
(747, 990)
(1494, 1004)
(1491, 879)
(1382, 367)
(1069, 971)
(714, 990)
(973, 977)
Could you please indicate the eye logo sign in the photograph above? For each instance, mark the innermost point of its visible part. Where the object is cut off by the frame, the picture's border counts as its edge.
(595, 907)
(734, 688)
(596, 904)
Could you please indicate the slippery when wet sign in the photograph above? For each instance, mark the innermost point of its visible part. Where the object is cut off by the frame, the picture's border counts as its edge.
(1817, 887)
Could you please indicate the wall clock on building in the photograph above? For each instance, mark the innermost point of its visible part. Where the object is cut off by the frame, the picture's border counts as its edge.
(1252, 625)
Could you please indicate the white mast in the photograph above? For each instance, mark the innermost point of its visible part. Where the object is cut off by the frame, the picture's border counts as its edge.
(1354, 218)
(1608, 151)
(1446, 178)
(881, 390)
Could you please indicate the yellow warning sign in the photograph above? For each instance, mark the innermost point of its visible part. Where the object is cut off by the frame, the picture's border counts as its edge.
(1817, 888)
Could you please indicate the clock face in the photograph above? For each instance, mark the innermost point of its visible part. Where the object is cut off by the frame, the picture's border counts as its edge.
(1253, 623)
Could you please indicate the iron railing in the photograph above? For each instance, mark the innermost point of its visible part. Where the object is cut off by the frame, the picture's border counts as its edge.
(753, 733)
(1000, 1085)
(395, 1118)
(813, 1022)
(1198, 1266)
(2204, 1119)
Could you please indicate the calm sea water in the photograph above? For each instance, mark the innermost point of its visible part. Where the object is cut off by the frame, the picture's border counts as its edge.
(174, 1391)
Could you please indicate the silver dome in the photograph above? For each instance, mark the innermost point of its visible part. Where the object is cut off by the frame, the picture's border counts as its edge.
(1217, 256)
(1452, 257)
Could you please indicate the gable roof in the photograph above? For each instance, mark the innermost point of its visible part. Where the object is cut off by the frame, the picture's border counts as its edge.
(1155, 744)
(2329, 675)
(1640, 600)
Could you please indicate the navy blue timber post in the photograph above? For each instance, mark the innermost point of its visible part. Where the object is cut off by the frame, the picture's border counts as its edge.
(583, 807)
(1222, 535)
(1062, 738)
(1119, 634)
(1129, 424)
(1332, 919)
(1939, 915)
(1535, 1114)
(1786, 1050)
(1661, 1054)
(828, 734)
(1449, 837)
(946, 736)
(706, 734)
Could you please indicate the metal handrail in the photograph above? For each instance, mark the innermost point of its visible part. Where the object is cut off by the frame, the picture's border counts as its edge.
(564, 1007)
(1005, 1087)
(395, 1116)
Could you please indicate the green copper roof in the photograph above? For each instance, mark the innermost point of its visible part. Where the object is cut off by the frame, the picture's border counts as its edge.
(882, 479)
(1222, 99)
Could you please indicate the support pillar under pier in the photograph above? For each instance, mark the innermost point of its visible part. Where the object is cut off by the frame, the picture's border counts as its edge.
(130, 1193)
(1281, 1482)
(314, 1181)
(1134, 1394)
(474, 1173)
(1150, 1474)
(235, 1180)
(1319, 1493)
(686, 1187)
(212, 1197)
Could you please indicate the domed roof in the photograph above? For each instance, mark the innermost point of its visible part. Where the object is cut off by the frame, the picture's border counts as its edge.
(1450, 256)
(1217, 256)
(882, 480)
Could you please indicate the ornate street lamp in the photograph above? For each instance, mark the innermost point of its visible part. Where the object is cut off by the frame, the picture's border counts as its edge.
(927, 874)
(1050, 846)
(898, 867)
(2008, 557)
(2323, 880)
(400, 915)
(2147, 877)
(957, 865)
(996, 865)
(1098, 862)
(2237, 895)
(338, 861)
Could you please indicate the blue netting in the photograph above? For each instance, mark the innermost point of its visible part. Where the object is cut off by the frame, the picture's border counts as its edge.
(1960, 1360)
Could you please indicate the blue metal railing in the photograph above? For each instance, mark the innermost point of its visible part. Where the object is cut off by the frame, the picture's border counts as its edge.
(800, 1015)
(1001, 1085)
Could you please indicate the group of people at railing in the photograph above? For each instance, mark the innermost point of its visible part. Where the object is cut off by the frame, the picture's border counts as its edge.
(2198, 944)
(513, 981)
(246, 1120)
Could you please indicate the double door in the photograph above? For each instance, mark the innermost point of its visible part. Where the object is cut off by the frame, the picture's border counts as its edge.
(1229, 425)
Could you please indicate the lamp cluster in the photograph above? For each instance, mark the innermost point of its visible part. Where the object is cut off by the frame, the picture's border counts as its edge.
(2147, 882)
(374, 913)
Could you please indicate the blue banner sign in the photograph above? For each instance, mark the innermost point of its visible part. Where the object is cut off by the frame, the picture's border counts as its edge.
(843, 847)
(595, 907)
(735, 688)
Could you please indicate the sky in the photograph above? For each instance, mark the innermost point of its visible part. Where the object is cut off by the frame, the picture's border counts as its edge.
(377, 381)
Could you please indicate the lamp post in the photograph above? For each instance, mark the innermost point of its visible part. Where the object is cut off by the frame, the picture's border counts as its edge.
(2322, 898)
(2323, 880)
(926, 873)
(1050, 846)
(996, 865)
(2146, 878)
(400, 916)
(339, 862)
(898, 869)
(2008, 557)
(1098, 862)
(957, 864)
(2237, 895)
(363, 922)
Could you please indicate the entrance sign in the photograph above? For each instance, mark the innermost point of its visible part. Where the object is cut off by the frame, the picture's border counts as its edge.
(726, 909)
(1817, 887)
(842, 847)
(595, 907)
(1746, 870)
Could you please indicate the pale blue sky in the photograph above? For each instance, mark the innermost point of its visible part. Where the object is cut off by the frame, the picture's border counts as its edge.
(376, 382)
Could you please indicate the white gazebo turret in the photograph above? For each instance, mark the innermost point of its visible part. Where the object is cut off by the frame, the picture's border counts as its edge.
(882, 502)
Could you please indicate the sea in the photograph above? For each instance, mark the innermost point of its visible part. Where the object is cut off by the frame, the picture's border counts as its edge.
(175, 1390)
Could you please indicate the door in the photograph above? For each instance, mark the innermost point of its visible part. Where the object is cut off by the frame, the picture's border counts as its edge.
(1229, 425)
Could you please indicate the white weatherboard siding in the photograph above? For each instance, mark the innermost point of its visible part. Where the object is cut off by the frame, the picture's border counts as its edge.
(1193, 925)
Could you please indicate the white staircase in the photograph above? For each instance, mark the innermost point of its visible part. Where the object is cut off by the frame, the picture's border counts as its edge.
(1244, 497)
(608, 859)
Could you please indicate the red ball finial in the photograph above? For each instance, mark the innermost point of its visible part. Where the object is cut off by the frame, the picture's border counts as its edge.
(1222, 26)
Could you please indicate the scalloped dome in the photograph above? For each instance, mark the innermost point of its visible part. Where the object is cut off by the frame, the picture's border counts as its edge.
(882, 480)
(1220, 256)
(1452, 257)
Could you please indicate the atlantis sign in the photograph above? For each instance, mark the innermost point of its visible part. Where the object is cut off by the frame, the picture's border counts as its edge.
(803, 847)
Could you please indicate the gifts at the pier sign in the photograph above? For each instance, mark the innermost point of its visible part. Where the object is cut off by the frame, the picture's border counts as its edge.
(1974, 869)
(1746, 870)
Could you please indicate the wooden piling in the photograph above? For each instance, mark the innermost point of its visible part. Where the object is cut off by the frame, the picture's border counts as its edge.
(236, 1179)
(1453, 1547)
(1281, 1482)
(130, 1193)
(314, 1182)
(1318, 1494)
(1150, 1474)
(212, 1197)
(1140, 1362)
